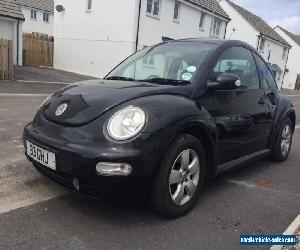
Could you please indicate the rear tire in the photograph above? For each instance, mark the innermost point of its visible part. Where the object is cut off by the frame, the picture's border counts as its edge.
(180, 177)
(283, 143)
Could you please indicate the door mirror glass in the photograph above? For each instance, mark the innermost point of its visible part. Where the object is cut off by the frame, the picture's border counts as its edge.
(225, 82)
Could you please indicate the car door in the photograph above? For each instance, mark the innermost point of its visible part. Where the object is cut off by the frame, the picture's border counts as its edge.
(239, 114)
(269, 85)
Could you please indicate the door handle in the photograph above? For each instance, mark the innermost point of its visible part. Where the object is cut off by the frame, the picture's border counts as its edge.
(261, 101)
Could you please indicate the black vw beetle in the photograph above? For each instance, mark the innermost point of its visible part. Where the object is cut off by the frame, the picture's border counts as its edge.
(161, 122)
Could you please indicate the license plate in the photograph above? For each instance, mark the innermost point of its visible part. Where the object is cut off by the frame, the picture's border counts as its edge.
(45, 157)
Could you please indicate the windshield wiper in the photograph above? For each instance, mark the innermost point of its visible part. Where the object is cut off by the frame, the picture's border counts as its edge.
(121, 78)
(166, 81)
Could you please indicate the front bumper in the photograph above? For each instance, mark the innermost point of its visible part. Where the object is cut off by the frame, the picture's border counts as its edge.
(77, 158)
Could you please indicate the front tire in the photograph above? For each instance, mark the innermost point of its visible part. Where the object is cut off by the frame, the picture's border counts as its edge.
(180, 177)
(283, 144)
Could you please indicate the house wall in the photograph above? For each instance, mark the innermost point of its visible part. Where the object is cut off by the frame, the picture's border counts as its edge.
(275, 50)
(293, 64)
(239, 29)
(38, 25)
(91, 43)
(153, 28)
(8, 30)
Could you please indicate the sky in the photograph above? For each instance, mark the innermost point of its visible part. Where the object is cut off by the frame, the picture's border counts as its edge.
(285, 13)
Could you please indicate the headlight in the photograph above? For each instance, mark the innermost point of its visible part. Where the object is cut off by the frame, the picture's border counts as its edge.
(126, 123)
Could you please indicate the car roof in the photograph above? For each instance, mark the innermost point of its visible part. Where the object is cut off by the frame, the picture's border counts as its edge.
(216, 41)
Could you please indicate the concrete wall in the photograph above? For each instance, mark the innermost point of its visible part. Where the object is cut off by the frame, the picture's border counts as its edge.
(8, 30)
(38, 25)
(92, 43)
(293, 64)
(239, 29)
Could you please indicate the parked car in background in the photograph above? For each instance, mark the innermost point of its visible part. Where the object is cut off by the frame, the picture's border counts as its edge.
(204, 107)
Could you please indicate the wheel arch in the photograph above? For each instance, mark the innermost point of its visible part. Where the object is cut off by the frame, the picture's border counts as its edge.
(292, 116)
(288, 114)
(208, 139)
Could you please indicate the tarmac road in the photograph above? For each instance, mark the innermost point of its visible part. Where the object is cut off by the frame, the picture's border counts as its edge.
(35, 213)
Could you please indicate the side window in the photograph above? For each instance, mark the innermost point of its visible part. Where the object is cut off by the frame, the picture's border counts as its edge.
(238, 61)
(267, 79)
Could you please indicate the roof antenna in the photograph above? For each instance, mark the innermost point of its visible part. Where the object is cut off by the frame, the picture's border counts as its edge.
(233, 30)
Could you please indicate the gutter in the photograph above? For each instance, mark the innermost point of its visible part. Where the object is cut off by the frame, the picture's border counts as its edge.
(275, 41)
(18, 40)
(138, 26)
(11, 17)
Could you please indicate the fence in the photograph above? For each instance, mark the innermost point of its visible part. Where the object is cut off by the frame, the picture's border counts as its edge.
(37, 50)
(6, 59)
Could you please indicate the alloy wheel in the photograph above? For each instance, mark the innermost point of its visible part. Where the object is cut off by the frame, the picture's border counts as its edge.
(184, 177)
(286, 140)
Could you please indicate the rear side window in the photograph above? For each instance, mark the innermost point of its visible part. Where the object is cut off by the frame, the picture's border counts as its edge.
(238, 61)
(267, 79)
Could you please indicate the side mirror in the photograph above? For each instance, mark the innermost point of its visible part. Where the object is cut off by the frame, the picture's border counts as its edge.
(225, 81)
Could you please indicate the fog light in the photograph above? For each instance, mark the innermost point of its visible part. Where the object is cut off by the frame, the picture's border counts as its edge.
(113, 169)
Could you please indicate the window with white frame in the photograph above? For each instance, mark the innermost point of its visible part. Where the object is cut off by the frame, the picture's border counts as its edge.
(33, 14)
(153, 7)
(216, 28)
(284, 53)
(176, 15)
(46, 17)
(88, 5)
(262, 44)
(201, 21)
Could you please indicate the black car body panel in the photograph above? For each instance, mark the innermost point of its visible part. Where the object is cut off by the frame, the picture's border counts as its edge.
(88, 100)
(284, 108)
(230, 134)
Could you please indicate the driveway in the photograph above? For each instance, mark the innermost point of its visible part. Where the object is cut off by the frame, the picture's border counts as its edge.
(36, 74)
(35, 213)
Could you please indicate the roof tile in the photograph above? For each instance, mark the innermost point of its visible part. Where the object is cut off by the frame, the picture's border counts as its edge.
(10, 8)
(211, 5)
(46, 5)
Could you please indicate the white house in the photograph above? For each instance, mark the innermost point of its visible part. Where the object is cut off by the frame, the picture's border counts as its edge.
(91, 37)
(292, 74)
(39, 16)
(250, 28)
(11, 19)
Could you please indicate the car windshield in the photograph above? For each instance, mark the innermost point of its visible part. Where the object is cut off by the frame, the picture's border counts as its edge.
(168, 63)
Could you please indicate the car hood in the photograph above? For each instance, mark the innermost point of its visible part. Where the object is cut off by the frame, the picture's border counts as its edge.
(83, 102)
